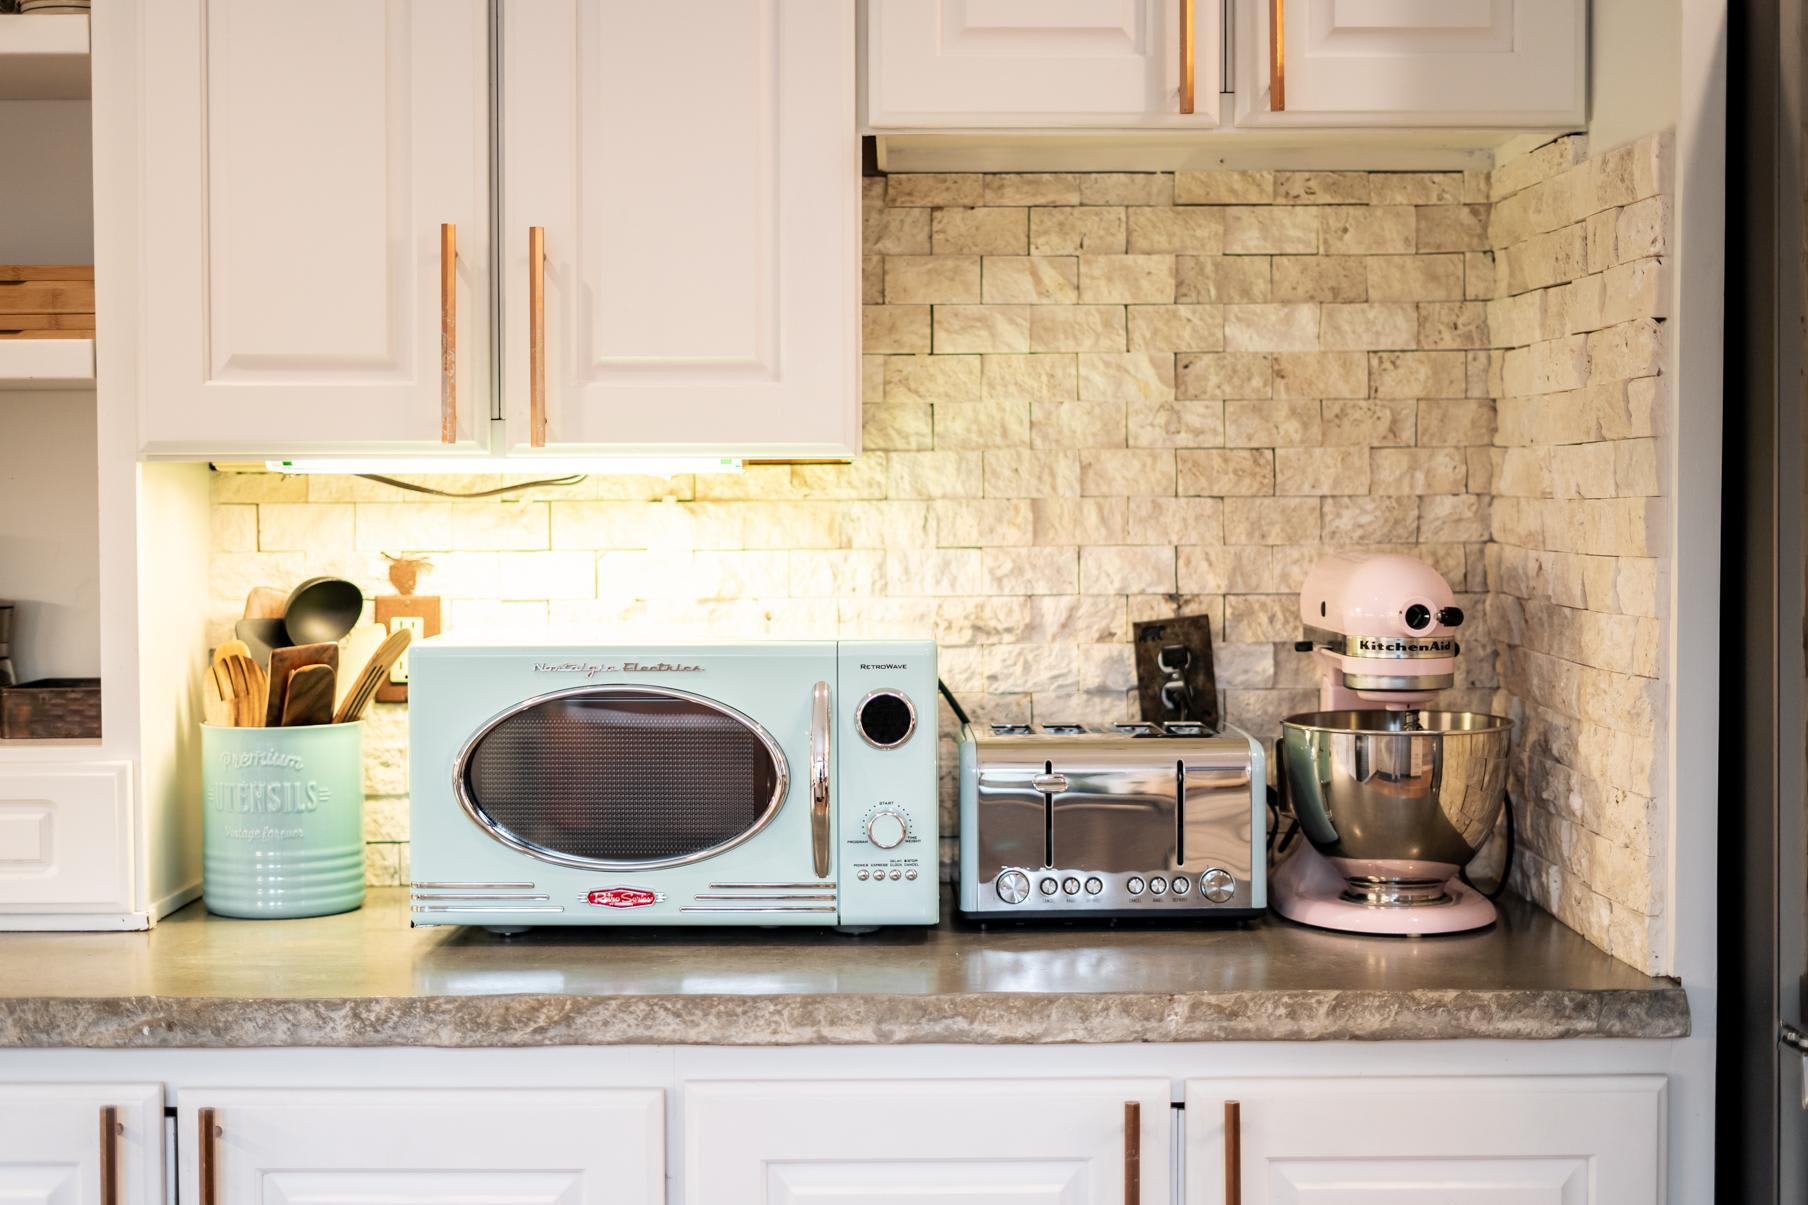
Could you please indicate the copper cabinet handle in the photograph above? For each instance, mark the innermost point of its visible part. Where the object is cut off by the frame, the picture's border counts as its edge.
(1233, 1153)
(1277, 56)
(110, 1130)
(1133, 1153)
(448, 333)
(820, 746)
(1186, 56)
(536, 336)
(209, 1131)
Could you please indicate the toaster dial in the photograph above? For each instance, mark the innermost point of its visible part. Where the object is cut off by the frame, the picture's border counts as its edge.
(1217, 885)
(886, 718)
(1013, 886)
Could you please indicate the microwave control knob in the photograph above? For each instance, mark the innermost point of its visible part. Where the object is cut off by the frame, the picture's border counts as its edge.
(1013, 886)
(887, 828)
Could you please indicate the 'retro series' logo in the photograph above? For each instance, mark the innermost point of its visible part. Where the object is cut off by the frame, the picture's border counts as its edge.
(622, 897)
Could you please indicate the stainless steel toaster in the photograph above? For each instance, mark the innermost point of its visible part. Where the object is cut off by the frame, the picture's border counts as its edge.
(1143, 819)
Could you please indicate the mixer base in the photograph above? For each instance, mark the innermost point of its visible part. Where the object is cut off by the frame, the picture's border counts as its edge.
(1306, 888)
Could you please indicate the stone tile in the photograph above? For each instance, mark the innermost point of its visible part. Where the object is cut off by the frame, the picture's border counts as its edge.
(938, 474)
(1126, 278)
(1175, 521)
(1451, 228)
(976, 522)
(872, 280)
(1126, 472)
(1038, 474)
(1087, 424)
(1074, 328)
(1321, 470)
(1177, 424)
(1126, 188)
(1416, 188)
(1291, 326)
(1417, 471)
(1224, 188)
(1032, 188)
(1319, 278)
(1366, 229)
(1415, 277)
(503, 526)
(1380, 519)
(976, 426)
(232, 527)
(1031, 280)
(1222, 472)
(1270, 230)
(1379, 325)
(1165, 230)
(1033, 570)
(1221, 278)
(932, 188)
(1001, 230)
(1282, 422)
(1415, 374)
(940, 378)
(1271, 520)
(911, 279)
(1035, 378)
(1456, 422)
(1321, 374)
(895, 232)
(1371, 422)
(1176, 328)
(1061, 521)
(1126, 377)
(1321, 188)
(979, 328)
(314, 527)
(1082, 231)
(894, 328)
(1225, 375)
(1228, 569)
(1126, 569)
(1447, 324)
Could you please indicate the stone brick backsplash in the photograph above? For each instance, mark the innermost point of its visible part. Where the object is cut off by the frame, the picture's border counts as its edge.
(1575, 568)
(1097, 398)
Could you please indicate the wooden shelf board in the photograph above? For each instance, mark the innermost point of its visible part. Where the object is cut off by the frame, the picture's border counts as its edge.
(46, 363)
(43, 56)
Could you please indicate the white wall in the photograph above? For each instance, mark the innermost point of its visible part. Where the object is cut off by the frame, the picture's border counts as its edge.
(1635, 70)
(46, 187)
(49, 551)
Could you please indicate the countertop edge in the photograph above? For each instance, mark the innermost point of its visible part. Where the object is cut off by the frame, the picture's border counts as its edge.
(512, 1021)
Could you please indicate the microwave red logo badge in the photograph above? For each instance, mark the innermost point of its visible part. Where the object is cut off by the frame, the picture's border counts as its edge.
(622, 897)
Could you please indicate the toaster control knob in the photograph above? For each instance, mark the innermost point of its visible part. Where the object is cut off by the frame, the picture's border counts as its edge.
(887, 828)
(1013, 886)
(1217, 885)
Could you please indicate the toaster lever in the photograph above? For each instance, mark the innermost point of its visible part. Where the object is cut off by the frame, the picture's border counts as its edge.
(819, 779)
(1049, 784)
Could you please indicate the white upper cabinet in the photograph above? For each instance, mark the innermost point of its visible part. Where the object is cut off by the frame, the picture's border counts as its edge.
(1485, 63)
(1525, 1140)
(950, 64)
(297, 162)
(928, 1142)
(421, 1146)
(694, 172)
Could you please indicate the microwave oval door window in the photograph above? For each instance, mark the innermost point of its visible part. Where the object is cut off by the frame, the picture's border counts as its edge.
(622, 777)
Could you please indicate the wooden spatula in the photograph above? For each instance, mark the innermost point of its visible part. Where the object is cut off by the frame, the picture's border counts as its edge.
(351, 709)
(310, 697)
(249, 689)
(265, 602)
(283, 663)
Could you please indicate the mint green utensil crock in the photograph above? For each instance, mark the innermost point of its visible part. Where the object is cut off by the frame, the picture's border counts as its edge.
(283, 820)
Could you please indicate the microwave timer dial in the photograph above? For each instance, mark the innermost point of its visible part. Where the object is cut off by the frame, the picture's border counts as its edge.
(885, 718)
(887, 827)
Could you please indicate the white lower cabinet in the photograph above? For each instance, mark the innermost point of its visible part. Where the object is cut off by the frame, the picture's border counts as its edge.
(65, 838)
(68, 1144)
(406, 1146)
(1532, 1140)
(926, 1142)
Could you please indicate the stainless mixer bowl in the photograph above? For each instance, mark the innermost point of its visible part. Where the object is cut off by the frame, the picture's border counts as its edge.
(1398, 800)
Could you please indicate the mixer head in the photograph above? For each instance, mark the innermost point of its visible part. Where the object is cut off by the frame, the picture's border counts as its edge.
(1383, 626)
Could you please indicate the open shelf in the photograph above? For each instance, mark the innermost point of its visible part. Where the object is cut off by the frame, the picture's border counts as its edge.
(46, 363)
(15, 752)
(43, 57)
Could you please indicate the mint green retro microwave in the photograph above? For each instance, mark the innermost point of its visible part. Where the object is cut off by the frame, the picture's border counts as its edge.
(766, 783)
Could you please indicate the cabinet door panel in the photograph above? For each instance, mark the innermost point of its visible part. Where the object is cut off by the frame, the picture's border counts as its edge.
(923, 1142)
(695, 169)
(1418, 63)
(419, 1147)
(50, 1143)
(1024, 63)
(306, 156)
(65, 837)
(1545, 1140)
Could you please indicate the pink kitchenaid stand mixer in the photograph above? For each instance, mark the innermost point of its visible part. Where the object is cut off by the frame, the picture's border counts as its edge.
(1393, 798)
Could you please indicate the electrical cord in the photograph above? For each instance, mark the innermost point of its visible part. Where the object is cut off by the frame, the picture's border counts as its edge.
(953, 703)
(1506, 866)
(570, 479)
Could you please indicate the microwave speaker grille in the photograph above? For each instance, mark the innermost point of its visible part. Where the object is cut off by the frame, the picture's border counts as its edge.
(623, 777)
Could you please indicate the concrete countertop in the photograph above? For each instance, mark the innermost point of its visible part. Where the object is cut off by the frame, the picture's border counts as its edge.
(367, 979)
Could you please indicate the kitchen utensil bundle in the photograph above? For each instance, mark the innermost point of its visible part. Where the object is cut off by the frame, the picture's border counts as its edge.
(1133, 820)
(1394, 798)
(298, 689)
(321, 610)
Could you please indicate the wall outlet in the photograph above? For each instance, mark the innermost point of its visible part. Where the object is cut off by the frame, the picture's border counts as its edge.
(1174, 678)
(419, 614)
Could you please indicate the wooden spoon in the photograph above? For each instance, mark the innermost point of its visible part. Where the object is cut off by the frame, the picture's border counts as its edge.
(372, 676)
(283, 663)
(216, 669)
(310, 697)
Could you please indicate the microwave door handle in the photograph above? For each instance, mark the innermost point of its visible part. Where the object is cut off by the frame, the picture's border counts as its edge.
(819, 778)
